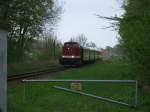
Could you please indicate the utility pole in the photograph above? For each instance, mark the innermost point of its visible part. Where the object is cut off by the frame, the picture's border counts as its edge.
(3, 70)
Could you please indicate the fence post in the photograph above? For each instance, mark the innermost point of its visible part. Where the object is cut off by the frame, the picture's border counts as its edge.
(3, 70)
(136, 93)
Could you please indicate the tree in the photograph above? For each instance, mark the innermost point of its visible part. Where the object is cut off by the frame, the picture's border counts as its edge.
(91, 44)
(26, 20)
(53, 46)
(81, 39)
(118, 52)
(45, 49)
(134, 30)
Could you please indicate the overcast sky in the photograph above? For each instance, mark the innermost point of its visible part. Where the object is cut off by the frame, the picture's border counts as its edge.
(79, 17)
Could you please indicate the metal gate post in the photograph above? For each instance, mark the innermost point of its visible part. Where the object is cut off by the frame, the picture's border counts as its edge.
(136, 93)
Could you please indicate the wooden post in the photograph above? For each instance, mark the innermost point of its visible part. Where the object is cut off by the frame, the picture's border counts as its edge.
(3, 70)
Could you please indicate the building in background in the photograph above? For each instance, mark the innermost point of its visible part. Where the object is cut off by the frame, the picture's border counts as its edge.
(106, 54)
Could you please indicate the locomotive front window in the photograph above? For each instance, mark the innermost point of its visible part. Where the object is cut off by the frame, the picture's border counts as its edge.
(75, 45)
(67, 44)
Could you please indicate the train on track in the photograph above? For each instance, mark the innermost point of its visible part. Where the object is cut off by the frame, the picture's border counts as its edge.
(75, 54)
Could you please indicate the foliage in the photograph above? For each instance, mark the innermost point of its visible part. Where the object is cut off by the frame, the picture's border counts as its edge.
(134, 29)
(4, 4)
(81, 39)
(91, 44)
(47, 48)
(43, 53)
(42, 50)
(118, 51)
(135, 33)
(26, 20)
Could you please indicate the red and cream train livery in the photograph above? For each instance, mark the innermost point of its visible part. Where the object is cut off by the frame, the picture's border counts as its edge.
(74, 54)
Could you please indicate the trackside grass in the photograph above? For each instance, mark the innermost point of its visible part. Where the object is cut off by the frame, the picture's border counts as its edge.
(20, 68)
(44, 98)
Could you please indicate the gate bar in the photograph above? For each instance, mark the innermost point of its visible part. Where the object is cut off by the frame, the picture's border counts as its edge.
(93, 96)
(94, 81)
(99, 81)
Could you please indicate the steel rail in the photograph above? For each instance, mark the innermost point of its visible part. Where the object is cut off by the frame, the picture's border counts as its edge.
(37, 73)
(34, 73)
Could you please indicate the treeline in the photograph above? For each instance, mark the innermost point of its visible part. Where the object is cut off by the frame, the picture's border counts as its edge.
(47, 48)
(25, 21)
(134, 29)
(83, 41)
(115, 52)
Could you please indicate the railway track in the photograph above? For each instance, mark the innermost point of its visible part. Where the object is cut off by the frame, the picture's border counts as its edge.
(17, 77)
(34, 73)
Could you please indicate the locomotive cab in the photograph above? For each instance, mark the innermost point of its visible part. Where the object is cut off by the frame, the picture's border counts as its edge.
(71, 54)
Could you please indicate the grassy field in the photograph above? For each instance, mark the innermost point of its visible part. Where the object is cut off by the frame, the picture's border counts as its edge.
(19, 68)
(44, 98)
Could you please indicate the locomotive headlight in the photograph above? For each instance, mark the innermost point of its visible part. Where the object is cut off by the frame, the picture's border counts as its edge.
(72, 56)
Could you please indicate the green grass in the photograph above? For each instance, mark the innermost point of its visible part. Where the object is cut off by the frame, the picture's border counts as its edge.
(19, 68)
(44, 98)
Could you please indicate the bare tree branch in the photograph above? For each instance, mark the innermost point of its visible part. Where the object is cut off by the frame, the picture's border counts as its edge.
(110, 18)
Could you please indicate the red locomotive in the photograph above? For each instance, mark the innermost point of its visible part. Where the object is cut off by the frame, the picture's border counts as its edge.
(74, 54)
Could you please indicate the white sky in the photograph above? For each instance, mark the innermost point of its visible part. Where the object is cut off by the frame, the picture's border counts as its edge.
(79, 17)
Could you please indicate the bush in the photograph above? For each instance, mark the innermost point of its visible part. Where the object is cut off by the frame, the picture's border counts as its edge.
(135, 33)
